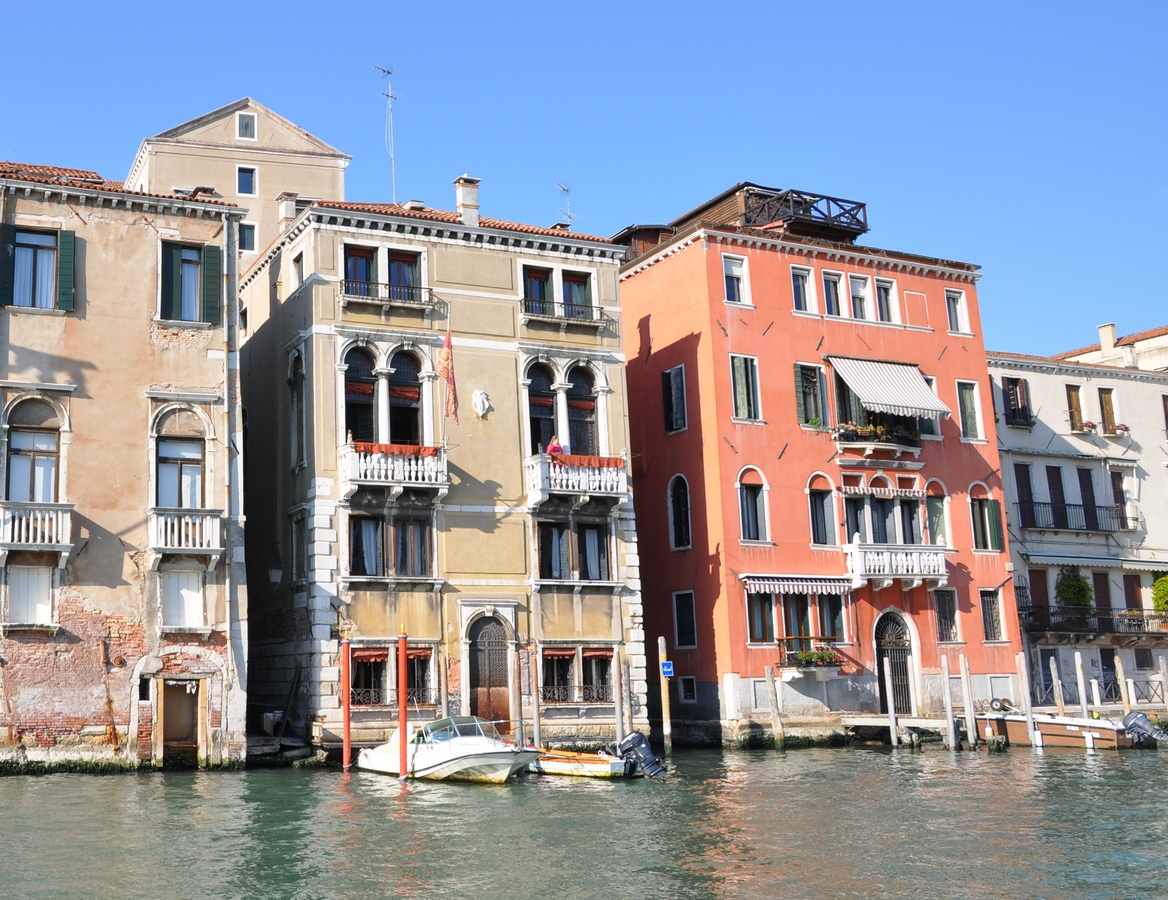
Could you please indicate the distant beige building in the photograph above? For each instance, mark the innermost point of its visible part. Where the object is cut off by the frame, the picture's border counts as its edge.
(1147, 350)
(507, 565)
(245, 154)
(124, 608)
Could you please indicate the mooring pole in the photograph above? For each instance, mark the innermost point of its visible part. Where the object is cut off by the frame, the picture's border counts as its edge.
(536, 728)
(618, 694)
(776, 717)
(1058, 685)
(1123, 685)
(950, 725)
(891, 701)
(1027, 707)
(967, 691)
(403, 708)
(346, 700)
(666, 714)
(1082, 684)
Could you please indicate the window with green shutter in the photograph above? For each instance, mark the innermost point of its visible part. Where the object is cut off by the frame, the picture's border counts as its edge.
(810, 396)
(36, 268)
(191, 283)
(744, 382)
(967, 402)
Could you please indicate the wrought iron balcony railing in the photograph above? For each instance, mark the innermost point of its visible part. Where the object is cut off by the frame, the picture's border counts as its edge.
(1074, 517)
(1088, 620)
(551, 694)
(386, 697)
(386, 294)
(549, 309)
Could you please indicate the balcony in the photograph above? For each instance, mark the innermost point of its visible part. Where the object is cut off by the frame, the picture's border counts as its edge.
(582, 477)
(415, 696)
(386, 295)
(1037, 619)
(187, 532)
(871, 439)
(1115, 430)
(559, 313)
(880, 564)
(551, 695)
(394, 467)
(36, 527)
(1075, 517)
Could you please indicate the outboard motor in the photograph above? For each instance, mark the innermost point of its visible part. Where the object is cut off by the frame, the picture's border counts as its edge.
(1140, 727)
(636, 748)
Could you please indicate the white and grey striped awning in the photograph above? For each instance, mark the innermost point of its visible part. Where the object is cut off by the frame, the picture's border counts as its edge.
(795, 584)
(888, 387)
(1127, 564)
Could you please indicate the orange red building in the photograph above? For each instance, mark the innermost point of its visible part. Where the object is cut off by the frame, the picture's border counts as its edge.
(815, 465)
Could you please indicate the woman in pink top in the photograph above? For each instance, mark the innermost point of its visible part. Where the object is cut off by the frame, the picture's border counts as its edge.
(553, 445)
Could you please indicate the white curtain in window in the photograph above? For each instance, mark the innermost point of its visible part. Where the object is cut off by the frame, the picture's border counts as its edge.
(371, 546)
(22, 295)
(19, 482)
(30, 594)
(192, 486)
(44, 480)
(46, 278)
(190, 291)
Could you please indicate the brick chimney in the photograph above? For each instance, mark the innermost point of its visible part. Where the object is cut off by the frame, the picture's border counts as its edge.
(1107, 337)
(466, 196)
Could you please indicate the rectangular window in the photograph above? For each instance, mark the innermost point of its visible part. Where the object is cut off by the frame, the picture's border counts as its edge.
(246, 181)
(761, 609)
(360, 271)
(411, 540)
(855, 511)
(554, 550)
(810, 396)
(822, 521)
(35, 270)
(925, 425)
(1107, 410)
(1058, 499)
(859, 290)
(946, 602)
(538, 296)
(797, 621)
(367, 683)
(593, 550)
(967, 402)
(577, 295)
(1164, 402)
(247, 238)
(734, 270)
(1025, 490)
(935, 510)
(298, 268)
(405, 276)
(1017, 395)
(685, 620)
(299, 547)
(750, 502)
(884, 301)
(799, 283)
(1101, 584)
(955, 305)
(687, 689)
(180, 474)
(182, 598)
(910, 531)
(991, 615)
(30, 595)
(245, 126)
(673, 398)
(1039, 587)
(1074, 407)
(1132, 591)
(32, 466)
(987, 524)
(1144, 660)
(831, 616)
(883, 520)
(744, 382)
(831, 294)
(191, 283)
(366, 546)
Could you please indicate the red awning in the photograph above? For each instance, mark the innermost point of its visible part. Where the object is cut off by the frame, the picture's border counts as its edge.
(394, 449)
(586, 405)
(370, 654)
(358, 387)
(595, 653)
(418, 652)
(559, 652)
(543, 401)
(593, 462)
(404, 392)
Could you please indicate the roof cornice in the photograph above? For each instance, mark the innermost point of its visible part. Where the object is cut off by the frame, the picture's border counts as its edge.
(130, 200)
(1057, 367)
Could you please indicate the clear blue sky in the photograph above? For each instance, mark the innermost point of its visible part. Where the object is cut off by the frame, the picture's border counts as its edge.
(1026, 137)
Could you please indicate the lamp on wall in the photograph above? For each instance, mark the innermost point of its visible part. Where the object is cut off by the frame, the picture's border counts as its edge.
(276, 572)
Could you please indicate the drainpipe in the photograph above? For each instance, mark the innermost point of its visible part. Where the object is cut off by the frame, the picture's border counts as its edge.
(231, 484)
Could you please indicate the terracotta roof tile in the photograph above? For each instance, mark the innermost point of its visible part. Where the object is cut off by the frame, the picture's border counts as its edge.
(444, 215)
(1125, 341)
(84, 178)
(10, 169)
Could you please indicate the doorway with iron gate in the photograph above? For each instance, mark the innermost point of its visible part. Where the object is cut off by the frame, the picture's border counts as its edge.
(490, 694)
(894, 645)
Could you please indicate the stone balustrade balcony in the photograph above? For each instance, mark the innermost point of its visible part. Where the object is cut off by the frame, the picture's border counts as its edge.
(185, 532)
(582, 477)
(36, 527)
(394, 467)
(881, 564)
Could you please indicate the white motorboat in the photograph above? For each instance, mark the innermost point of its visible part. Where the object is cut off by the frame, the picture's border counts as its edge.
(461, 748)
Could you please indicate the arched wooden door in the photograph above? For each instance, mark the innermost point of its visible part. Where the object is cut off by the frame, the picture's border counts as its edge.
(894, 641)
(489, 692)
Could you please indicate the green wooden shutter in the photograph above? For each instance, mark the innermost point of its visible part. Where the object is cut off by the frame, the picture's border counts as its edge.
(741, 405)
(212, 283)
(66, 243)
(7, 263)
(800, 408)
(169, 307)
(996, 538)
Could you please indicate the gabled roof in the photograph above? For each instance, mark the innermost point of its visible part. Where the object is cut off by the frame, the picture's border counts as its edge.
(179, 131)
(1120, 342)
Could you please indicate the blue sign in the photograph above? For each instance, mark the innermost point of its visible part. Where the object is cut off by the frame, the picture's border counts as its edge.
(666, 668)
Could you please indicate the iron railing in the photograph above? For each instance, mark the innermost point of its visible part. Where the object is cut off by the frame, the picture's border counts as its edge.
(1044, 693)
(860, 436)
(1074, 517)
(1086, 620)
(575, 693)
(791, 647)
(388, 293)
(388, 697)
(549, 309)
(819, 211)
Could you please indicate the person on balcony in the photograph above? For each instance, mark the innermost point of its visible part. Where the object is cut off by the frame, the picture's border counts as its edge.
(553, 445)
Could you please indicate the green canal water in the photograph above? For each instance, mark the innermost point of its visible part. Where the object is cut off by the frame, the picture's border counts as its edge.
(811, 823)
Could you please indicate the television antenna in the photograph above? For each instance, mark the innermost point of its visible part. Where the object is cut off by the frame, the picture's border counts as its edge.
(566, 212)
(389, 98)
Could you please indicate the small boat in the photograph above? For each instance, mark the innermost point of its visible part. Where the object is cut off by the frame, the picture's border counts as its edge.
(460, 748)
(584, 765)
(1058, 731)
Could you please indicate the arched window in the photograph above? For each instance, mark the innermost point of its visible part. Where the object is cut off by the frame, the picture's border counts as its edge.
(581, 412)
(986, 513)
(752, 505)
(33, 452)
(181, 440)
(822, 510)
(541, 406)
(679, 535)
(360, 421)
(935, 514)
(405, 399)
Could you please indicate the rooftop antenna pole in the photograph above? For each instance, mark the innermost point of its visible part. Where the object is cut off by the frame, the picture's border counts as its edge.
(567, 212)
(389, 98)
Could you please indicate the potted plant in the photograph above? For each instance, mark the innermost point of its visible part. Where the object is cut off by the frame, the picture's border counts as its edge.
(815, 422)
(1073, 589)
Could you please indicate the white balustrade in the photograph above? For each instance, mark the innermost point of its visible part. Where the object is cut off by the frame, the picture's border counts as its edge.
(549, 475)
(895, 561)
(186, 530)
(374, 467)
(37, 524)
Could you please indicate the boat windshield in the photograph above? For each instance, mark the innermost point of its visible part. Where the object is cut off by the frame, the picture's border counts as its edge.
(457, 726)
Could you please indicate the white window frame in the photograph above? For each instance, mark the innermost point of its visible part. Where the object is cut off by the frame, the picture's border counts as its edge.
(52, 598)
(556, 268)
(963, 327)
(838, 278)
(677, 645)
(746, 300)
(979, 415)
(758, 419)
(776, 620)
(688, 510)
(1004, 635)
(959, 638)
(764, 497)
(893, 301)
(931, 381)
(812, 295)
(867, 296)
(684, 399)
(255, 235)
(199, 576)
(255, 118)
(824, 398)
(255, 180)
(681, 694)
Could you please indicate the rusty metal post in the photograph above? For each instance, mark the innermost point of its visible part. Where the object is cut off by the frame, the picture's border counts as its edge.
(346, 701)
(403, 709)
(666, 713)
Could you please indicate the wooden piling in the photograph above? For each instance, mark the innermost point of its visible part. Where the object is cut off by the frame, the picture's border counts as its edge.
(1057, 685)
(536, 726)
(1164, 682)
(666, 713)
(967, 691)
(1096, 694)
(618, 694)
(517, 680)
(891, 702)
(403, 709)
(950, 725)
(1027, 705)
(346, 701)
(1123, 687)
(776, 718)
(1082, 684)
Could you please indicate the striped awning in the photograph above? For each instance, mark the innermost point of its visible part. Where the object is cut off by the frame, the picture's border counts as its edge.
(887, 387)
(1098, 562)
(795, 584)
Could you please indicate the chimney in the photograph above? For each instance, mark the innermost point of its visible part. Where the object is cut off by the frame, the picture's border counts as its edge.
(466, 196)
(1107, 338)
(288, 210)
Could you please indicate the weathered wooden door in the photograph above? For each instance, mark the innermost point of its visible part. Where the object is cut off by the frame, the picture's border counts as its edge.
(894, 642)
(489, 692)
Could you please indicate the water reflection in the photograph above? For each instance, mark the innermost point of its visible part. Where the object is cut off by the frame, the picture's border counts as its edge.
(831, 823)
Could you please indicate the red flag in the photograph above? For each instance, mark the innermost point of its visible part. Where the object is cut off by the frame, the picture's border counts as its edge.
(445, 368)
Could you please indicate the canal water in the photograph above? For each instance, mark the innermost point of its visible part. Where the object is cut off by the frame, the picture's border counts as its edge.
(811, 823)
